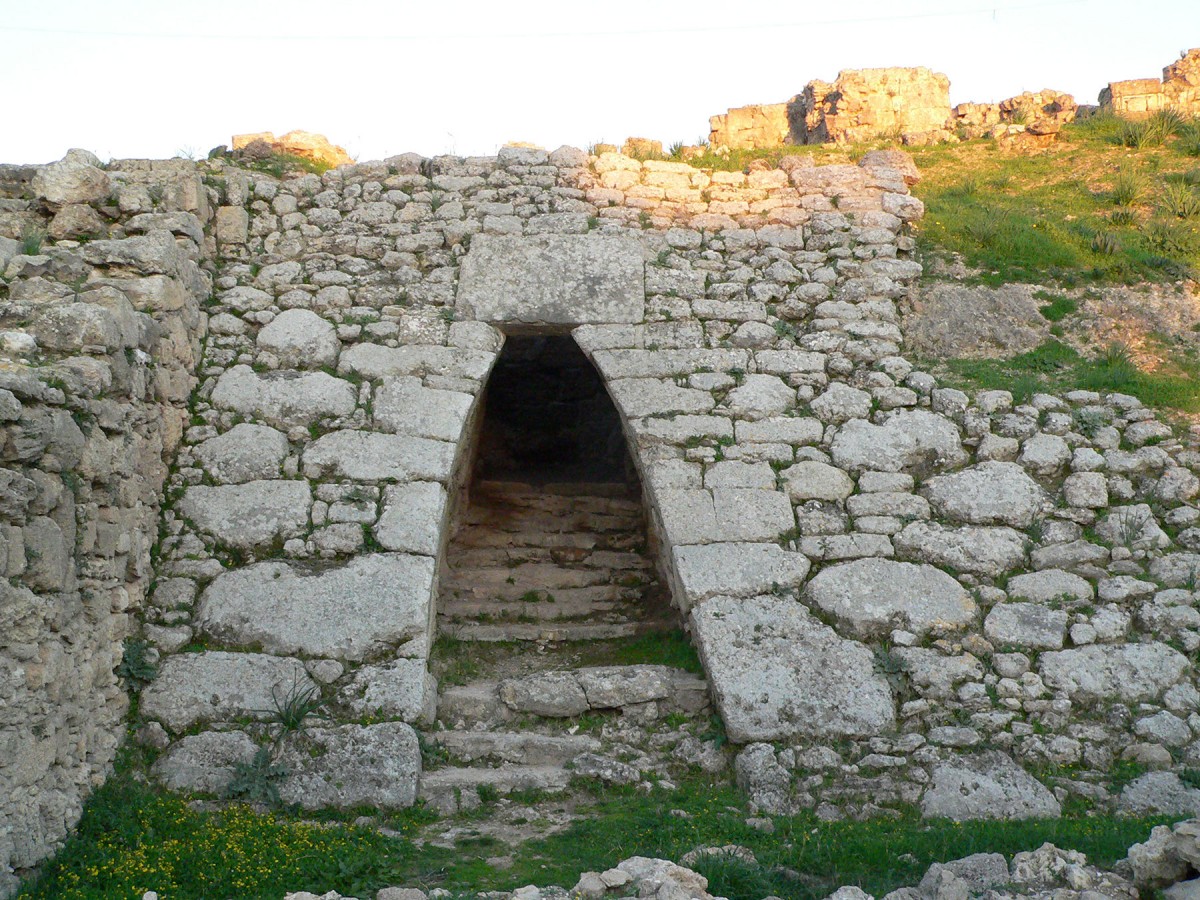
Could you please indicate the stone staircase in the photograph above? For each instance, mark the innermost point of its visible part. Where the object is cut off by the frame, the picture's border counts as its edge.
(559, 562)
(544, 584)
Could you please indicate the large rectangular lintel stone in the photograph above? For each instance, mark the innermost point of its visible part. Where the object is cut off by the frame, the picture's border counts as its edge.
(569, 279)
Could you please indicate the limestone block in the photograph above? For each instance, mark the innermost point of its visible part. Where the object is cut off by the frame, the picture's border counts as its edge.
(553, 279)
(911, 438)
(154, 253)
(370, 604)
(760, 397)
(960, 321)
(352, 765)
(203, 762)
(638, 397)
(731, 473)
(872, 597)
(778, 673)
(377, 361)
(72, 327)
(371, 456)
(784, 430)
(840, 403)
(986, 785)
(244, 453)
(284, 399)
(1044, 454)
(1133, 527)
(413, 518)
(750, 127)
(232, 225)
(1025, 625)
(76, 220)
(402, 689)
(612, 687)
(51, 564)
(724, 515)
(816, 481)
(934, 674)
(736, 570)
(1158, 794)
(76, 178)
(1088, 490)
(402, 405)
(216, 685)
(1050, 585)
(975, 549)
(554, 694)
(1176, 569)
(1132, 673)
(300, 339)
(251, 515)
(991, 493)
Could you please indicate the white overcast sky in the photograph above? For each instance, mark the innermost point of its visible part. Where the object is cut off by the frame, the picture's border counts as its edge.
(154, 78)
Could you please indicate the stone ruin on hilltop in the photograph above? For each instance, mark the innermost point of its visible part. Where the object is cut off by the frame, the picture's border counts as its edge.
(912, 105)
(272, 429)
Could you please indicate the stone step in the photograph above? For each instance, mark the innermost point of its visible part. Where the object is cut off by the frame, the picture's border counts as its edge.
(505, 518)
(477, 703)
(578, 557)
(564, 606)
(522, 539)
(519, 748)
(538, 631)
(595, 490)
(517, 581)
(450, 789)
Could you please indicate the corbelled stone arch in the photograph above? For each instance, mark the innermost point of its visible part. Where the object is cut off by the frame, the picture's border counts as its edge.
(570, 434)
(721, 527)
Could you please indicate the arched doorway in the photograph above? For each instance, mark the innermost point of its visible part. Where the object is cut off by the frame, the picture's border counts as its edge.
(550, 540)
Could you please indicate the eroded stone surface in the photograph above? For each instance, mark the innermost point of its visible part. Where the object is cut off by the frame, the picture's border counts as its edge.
(204, 762)
(991, 493)
(1129, 672)
(282, 398)
(245, 452)
(373, 602)
(871, 597)
(352, 765)
(986, 786)
(553, 279)
(249, 515)
(737, 570)
(216, 685)
(772, 669)
(370, 456)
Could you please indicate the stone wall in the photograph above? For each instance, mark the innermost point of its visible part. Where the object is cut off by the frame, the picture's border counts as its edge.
(1179, 90)
(883, 577)
(862, 104)
(99, 342)
(750, 127)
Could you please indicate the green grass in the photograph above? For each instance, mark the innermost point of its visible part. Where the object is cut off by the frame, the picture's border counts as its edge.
(280, 164)
(1056, 367)
(133, 839)
(1110, 203)
(1057, 306)
(666, 648)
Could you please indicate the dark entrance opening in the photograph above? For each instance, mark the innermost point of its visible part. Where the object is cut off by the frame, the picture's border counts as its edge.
(548, 418)
(550, 538)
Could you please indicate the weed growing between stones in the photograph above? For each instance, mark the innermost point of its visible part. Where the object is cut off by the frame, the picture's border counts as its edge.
(138, 666)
